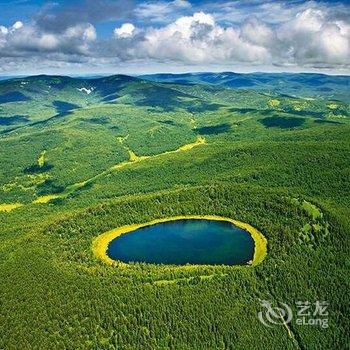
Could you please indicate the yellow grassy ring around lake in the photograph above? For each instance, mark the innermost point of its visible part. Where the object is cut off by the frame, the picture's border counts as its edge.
(101, 242)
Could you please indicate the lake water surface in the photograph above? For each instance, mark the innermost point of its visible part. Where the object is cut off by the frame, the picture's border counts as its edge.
(179, 242)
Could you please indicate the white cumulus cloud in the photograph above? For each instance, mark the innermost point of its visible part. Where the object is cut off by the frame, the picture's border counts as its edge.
(22, 39)
(312, 37)
(280, 34)
(199, 39)
(125, 31)
(17, 25)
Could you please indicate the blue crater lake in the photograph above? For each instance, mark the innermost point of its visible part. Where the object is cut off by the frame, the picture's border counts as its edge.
(192, 241)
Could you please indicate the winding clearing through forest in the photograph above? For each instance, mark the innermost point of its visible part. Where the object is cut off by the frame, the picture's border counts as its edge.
(133, 159)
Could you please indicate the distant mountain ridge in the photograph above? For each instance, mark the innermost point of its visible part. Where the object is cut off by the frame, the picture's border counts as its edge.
(306, 85)
(44, 99)
(296, 84)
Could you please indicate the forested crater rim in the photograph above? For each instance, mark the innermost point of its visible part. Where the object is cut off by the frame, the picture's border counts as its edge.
(100, 243)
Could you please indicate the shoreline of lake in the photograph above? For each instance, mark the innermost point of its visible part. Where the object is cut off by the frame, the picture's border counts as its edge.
(101, 242)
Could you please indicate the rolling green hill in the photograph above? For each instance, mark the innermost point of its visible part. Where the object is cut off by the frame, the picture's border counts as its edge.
(82, 156)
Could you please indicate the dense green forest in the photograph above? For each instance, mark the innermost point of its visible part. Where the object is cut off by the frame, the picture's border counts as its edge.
(82, 156)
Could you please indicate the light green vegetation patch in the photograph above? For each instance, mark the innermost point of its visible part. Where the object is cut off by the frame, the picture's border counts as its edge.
(316, 229)
(312, 210)
(26, 182)
(9, 207)
(333, 106)
(273, 103)
(41, 159)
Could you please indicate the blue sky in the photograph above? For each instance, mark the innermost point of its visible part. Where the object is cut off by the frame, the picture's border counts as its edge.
(106, 36)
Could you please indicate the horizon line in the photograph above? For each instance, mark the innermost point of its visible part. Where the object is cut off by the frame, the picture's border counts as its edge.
(13, 76)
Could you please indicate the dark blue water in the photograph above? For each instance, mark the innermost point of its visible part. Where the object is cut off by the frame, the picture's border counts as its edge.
(185, 241)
